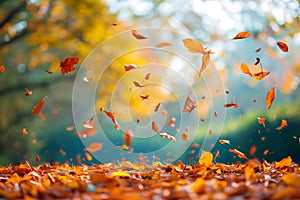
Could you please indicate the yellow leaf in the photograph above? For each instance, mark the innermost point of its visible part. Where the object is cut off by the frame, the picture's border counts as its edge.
(206, 158)
(285, 162)
(291, 179)
(250, 173)
(120, 174)
(198, 185)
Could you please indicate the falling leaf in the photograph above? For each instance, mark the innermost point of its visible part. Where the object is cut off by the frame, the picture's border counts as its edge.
(260, 75)
(38, 107)
(215, 114)
(88, 156)
(156, 107)
(147, 76)
(96, 146)
(129, 67)
(252, 150)
(258, 50)
(144, 96)
(164, 112)
(2, 69)
(137, 84)
(127, 137)
(284, 47)
(242, 35)
(266, 151)
(37, 158)
(155, 127)
(111, 116)
(68, 65)
(237, 152)
(224, 141)
(270, 97)
(231, 104)
(193, 46)
(205, 61)
(217, 154)
(88, 80)
(283, 124)
(206, 158)
(257, 61)
(49, 72)
(123, 147)
(261, 120)
(55, 111)
(285, 162)
(245, 69)
(189, 105)
(163, 44)
(171, 122)
(24, 131)
(27, 92)
(166, 135)
(137, 35)
(70, 128)
(185, 137)
(138, 120)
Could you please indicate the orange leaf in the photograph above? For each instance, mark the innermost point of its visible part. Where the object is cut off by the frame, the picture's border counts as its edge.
(260, 75)
(155, 127)
(206, 158)
(24, 131)
(163, 44)
(96, 146)
(266, 151)
(111, 116)
(137, 35)
(245, 69)
(261, 120)
(270, 97)
(285, 162)
(70, 128)
(68, 65)
(88, 156)
(193, 46)
(283, 124)
(189, 105)
(252, 150)
(2, 69)
(205, 61)
(242, 35)
(224, 141)
(237, 152)
(38, 107)
(171, 122)
(284, 47)
(127, 137)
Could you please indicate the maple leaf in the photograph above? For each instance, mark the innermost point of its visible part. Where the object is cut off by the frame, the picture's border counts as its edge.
(38, 107)
(242, 35)
(284, 47)
(193, 46)
(68, 65)
(270, 97)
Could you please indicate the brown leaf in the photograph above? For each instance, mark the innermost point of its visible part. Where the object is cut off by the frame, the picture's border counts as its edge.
(137, 35)
(144, 96)
(284, 47)
(38, 107)
(155, 127)
(147, 76)
(49, 72)
(137, 84)
(270, 97)
(245, 69)
(193, 46)
(257, 61)
(163, 44)
(258, 50)
(127, 137)
(156, 107)
(242, 35)
(189, 105)
(129, 67)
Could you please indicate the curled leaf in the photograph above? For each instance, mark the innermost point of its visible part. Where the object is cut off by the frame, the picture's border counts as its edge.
(257, 61)
(27, 92)
(137, 84)
(260, 75)
(205, 61)
(284, 47)
(261, 120)
(270, 97)
(242, 35)
(206, 158)
(224, 141)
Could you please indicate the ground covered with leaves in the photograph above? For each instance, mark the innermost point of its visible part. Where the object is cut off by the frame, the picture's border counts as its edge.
(251, 180)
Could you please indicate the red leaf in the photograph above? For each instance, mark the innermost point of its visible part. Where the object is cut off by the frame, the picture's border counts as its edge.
(68, 65)
(231, 104)
(49, 72)
(137, 35)
(37, 158)
(261, 120)
(242, 35)
(189, 105)
(284, 47)
(270, 97)
(252, 150)
(163, 44)
(129, 67)
(2, 69)
(111, 116)
(38, 107)
(260, 75)
(155, 127)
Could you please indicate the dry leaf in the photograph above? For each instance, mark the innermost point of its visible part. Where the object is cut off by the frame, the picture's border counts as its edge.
(242, 35)
(147, 76)
(257, 61)
(37, 158)
(258, 50)
(96, 146)
(245, 69)
(260, 75)
(24, 131)
(166, 135)
(284, 47)
(193, 46)
(156, 107)
(137, 35)
(49, 72)
(171, 122)
(163, 44)
(261, 120)
(270, 97)
(136, 84)
(27, 92)
(237, 152)
(205, 61)
(206, 158)
(283, 124)
(144, 96)
(38, 107)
